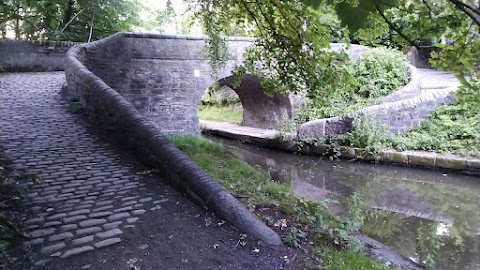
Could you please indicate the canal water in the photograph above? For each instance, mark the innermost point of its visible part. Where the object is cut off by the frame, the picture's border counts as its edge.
(441, 208)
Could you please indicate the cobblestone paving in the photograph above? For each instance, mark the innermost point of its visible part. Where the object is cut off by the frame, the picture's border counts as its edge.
(435, 79)
(85, 196)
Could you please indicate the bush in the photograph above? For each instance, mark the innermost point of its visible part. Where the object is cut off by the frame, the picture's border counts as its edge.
(379, 72)
(454, 128)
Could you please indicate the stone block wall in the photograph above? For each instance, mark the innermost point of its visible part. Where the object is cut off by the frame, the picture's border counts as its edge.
(164, 78)
(39, 55)
(115, 112)
(399, 116)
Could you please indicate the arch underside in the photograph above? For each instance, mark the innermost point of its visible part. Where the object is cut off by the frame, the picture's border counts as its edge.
(260, 110)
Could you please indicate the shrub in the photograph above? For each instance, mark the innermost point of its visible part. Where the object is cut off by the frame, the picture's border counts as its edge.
(379, 72)
(376, 74)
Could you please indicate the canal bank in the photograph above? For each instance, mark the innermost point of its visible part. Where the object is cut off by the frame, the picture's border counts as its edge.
(277, 140)
(440, 205)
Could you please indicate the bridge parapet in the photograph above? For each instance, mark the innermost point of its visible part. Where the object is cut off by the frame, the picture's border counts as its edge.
(114, 111)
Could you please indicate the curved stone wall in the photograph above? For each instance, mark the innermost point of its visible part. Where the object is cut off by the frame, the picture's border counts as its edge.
(115, 112)
(164, 78)
(398, 117)
(399, 112)
(33, 55)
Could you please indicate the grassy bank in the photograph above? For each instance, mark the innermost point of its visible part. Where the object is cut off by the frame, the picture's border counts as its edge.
(221, 113)
(302, 223)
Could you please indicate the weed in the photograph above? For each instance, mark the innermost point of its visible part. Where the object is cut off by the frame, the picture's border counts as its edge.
(294, 237)
(427, 248)
(454, 128)
(75, 107)
(347, 260)
(256, 189)
(268, 220)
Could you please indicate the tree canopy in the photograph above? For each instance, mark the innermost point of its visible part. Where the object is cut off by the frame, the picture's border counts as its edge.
(292, 37)
(291, 50)
(76, 20)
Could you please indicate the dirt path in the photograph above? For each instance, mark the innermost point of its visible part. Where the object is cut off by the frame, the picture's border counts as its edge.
(95, 208)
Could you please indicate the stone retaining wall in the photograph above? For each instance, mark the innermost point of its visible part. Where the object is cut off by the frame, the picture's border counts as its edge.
(113, 111)
(290, 143)
(398, 112)
(38, 55)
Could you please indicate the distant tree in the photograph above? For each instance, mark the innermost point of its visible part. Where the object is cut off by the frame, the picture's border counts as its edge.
(77, 20)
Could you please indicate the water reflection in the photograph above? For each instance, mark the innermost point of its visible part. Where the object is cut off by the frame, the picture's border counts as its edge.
(412, 200)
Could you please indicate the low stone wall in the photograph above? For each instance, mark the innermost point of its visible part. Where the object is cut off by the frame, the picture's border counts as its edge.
(290, 143)
(412, 89)
(399, 112)
(419, 56)
(38, 55)
(113, 111)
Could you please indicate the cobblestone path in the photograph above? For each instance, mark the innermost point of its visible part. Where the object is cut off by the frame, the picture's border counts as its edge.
(435, 79)
(94, 207)
(85, 197)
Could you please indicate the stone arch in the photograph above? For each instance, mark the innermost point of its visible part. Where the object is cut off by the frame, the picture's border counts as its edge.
(259, 109)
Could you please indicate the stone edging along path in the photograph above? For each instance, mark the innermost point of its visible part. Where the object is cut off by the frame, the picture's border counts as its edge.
(114, 112)
(272, 139)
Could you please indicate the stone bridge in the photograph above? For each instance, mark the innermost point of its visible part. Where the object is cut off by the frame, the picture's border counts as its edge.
(165, 76)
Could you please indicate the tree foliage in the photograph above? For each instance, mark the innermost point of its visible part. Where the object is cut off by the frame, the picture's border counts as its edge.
(292, 50)
(76, 20)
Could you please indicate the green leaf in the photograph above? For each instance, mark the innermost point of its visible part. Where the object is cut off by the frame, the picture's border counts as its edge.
(53, 23)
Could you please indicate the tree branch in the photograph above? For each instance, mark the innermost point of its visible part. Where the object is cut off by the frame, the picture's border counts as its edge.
(463, 7)
(392, 26)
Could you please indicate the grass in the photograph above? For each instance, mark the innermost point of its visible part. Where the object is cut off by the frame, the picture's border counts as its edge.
(221, 114)
(235, 174)
(308, 221)
(348, 260)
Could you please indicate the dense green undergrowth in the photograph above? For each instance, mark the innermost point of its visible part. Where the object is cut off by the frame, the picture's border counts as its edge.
(452, 128)
(307, 221)
(376, 74)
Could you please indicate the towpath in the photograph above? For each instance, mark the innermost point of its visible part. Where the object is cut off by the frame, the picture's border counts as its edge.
(94, 206)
